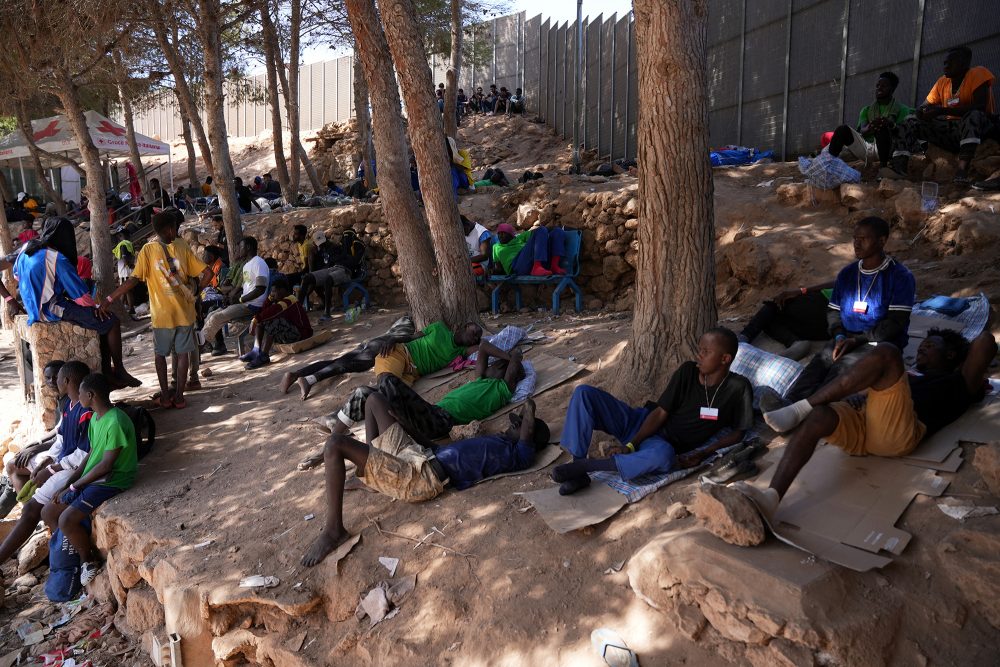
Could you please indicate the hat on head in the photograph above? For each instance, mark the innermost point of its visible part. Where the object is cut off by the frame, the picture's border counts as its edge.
(507, 227)
(21, 196)
(319, 237)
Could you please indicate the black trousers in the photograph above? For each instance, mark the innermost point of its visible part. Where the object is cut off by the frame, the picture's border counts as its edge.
(801, 318)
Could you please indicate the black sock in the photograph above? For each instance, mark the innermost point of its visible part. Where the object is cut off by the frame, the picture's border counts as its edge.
(580, 468)
(571, 486)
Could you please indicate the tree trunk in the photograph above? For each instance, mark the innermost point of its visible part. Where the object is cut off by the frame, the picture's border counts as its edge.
(675, 291)
(215, 103)
(292, 101)
(272, 62)
(133, 146)
(429, 147)
(454, 71)
(100, 234)
(364, 119)
(24, 123)
(183, 90)
(408, 229)
(311, 173)
(6, 248)
(192, 161)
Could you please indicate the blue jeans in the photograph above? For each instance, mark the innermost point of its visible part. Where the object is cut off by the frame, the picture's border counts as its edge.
(593, 409)
(542, 246)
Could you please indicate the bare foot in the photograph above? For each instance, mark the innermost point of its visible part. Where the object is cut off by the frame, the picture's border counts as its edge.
(127, 380)
(286, 382)
(305, 388)
(311, 461)
(322, 546)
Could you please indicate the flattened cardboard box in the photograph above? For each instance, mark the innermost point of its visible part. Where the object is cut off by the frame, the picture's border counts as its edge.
(844, 508)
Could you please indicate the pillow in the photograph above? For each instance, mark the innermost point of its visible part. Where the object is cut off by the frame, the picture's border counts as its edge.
(764, 369)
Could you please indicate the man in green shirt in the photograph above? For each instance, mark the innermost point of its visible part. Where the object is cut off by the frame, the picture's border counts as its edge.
(535, 252)
(491, 390)
(109, 470)
(875, 125)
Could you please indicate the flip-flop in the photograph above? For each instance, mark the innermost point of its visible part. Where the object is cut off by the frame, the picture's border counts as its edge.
(164, 402)
(613, 649)
(180, 404)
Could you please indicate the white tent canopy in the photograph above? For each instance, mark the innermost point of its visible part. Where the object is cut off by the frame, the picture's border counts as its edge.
(55, 135)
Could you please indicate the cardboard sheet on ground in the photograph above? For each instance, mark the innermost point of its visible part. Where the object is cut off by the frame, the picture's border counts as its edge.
(844, 508)
(544, 458)
(309, 343)
(584, 508)
(980, 423)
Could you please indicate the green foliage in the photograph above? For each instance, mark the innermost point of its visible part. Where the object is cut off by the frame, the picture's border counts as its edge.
(7, 125)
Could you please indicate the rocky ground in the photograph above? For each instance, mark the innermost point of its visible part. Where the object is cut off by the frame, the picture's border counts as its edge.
(220, 498)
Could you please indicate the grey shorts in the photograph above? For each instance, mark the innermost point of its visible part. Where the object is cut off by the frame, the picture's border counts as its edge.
(178, 339)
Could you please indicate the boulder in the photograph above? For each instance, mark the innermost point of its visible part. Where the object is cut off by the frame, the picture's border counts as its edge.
(749, 260)
(614, 267)
(977, 231)
(142, 610)
(939, 164)
(34, 552)
(631, 208)
(969, 560)
(987, 461)
(909, 207)
(791, 194)
(632, 223)
(856, 195)
(890, 187)
(728, 515)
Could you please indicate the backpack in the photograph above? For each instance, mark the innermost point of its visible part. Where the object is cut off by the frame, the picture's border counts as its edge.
(145, 427)
(63, 582)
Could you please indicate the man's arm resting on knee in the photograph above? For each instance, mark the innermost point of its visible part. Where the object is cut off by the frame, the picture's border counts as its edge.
(651, 425)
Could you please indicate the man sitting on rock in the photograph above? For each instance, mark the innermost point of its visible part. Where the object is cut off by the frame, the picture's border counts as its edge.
(249, 276)
(877, 407)
(958, 114)
(282, 320)
(871, 303)
(400, 352)
(333, 265)
(878, 121)
(51, 470)
(404, 466)
(52, 291)
(509, 379)
(683, 427)
(535, 252)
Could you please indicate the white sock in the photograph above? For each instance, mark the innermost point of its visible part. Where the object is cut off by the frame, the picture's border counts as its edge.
(311, 380)
(345, 420)
(787, 418)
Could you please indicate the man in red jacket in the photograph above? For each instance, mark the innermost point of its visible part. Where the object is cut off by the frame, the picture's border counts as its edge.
(282, 320)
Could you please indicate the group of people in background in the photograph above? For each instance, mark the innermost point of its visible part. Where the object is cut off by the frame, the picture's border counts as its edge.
(491, 103)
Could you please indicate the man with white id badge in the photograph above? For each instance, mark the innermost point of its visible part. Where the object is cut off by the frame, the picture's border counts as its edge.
(704, 408)
(871, 303)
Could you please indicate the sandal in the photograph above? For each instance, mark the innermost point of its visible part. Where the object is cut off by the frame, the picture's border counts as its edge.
(165, 403)
(180, 404)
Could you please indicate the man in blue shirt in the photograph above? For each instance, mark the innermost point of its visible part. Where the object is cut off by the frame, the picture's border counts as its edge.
(406, 467)
(871, 303)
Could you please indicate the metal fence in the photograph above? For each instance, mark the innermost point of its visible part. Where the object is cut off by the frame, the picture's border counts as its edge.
(780, 72)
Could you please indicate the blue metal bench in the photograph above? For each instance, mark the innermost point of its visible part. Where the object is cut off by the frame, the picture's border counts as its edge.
(570, 262)
(357, 285)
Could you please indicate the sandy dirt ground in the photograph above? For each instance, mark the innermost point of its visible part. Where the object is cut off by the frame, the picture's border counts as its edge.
(499, 587)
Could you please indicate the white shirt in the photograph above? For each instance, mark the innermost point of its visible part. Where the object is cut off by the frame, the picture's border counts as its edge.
(253, 272)
(474, 238)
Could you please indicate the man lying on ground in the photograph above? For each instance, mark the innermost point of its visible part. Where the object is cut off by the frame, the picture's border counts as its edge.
(51, 471)
(897, 410)
(494, 387)
(395, 464)
(20, 468)
(702, 398)
(793, 318)
(400, 351)
(52, 291)
(110, 469)
(871, 303)
(282, 320)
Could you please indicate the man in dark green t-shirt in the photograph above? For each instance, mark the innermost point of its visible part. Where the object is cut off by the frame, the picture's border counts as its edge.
(875, 124)
(491, 390)
(109, 470)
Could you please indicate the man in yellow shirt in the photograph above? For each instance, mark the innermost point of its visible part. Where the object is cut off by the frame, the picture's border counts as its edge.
(166, 264)
(958, 114)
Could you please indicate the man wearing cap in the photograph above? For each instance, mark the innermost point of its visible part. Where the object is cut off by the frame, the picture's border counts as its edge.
(479, 243)
(535, 252)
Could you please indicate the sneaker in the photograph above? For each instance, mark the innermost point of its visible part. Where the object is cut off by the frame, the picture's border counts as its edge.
(89, 571)
(745, 468)
(219, 351)
(258, 361)
(249, 356)
(962, 178)
(770, 400)
(989, 185)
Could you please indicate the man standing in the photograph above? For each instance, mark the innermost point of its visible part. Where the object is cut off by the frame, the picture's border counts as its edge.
(957, 115)
(876, 124)
(871, 303)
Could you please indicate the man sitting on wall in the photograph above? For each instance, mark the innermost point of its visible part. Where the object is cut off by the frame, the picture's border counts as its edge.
(876, 124)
